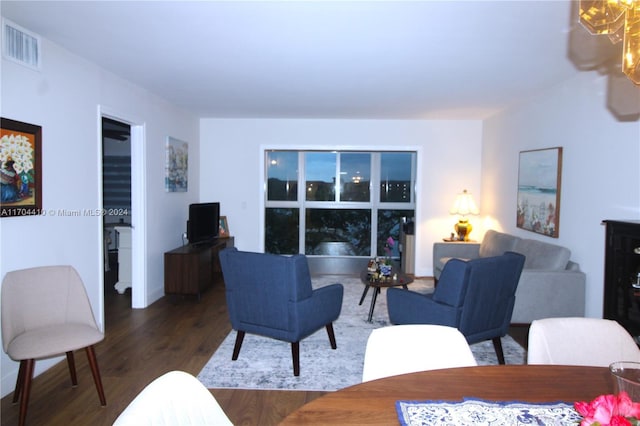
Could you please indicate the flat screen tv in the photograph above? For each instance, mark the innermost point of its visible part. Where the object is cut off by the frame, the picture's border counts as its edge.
(204, 222)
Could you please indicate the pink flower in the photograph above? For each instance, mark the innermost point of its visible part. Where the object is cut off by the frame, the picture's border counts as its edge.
(609, 410)
(626, 407)
(619, 421)
(387, 246)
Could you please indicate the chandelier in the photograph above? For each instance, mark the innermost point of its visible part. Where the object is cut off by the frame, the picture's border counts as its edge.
(620, 20)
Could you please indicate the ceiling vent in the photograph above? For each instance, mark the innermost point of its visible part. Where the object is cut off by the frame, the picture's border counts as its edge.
(20, 45)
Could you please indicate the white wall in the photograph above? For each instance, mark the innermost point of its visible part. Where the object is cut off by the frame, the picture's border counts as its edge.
(64, 99)
(231, 165)
(600, 171)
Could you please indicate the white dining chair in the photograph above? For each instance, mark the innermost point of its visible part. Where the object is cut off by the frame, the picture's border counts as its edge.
(401, 349)
(175, 398)
(580, 341)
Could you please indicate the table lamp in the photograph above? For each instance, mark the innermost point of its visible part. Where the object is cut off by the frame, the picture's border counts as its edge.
(463, 206)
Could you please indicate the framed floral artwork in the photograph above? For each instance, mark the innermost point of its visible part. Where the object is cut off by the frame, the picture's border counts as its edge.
(177, 166)
(20, 168)
(539, 184)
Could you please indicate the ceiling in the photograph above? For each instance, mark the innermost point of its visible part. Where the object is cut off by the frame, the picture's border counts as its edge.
(319, 59)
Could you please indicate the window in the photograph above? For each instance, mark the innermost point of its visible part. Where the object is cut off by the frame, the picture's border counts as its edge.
(395, 177)
(355, 177)
(282, 230)
(338, 232)
(320, 176)
(282, 176)
(349, 205)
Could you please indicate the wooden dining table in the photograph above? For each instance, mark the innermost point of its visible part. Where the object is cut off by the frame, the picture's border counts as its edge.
(374, 402)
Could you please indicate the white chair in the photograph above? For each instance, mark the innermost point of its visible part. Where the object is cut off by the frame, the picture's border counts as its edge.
(401, 349)
(175, 398)
(46, 313)
(580, 341)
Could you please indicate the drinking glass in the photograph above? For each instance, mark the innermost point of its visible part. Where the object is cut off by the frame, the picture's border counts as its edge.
(626, 376)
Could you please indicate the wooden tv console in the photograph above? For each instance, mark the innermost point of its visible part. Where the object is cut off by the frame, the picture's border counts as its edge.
(191, 269)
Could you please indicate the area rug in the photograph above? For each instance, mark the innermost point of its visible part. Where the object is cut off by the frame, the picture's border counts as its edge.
(265, 363)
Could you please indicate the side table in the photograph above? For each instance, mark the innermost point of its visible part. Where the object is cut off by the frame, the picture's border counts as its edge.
(377, 283)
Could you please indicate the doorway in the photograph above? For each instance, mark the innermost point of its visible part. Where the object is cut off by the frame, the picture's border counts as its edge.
(137, 212)
(116, 202)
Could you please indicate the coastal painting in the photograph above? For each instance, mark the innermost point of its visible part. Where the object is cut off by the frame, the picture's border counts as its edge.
(539, 182)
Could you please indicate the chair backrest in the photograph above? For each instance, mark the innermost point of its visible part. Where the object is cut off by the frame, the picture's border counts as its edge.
(580, 341)
(452, 285)
(402, 349)
(483, 290)
(491, 295)
(175, 398)
(43, 296)
(264, 288)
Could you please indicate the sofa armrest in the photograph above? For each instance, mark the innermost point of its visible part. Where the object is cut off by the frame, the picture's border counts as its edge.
(545, 294)
(459, 250)
(445, 251)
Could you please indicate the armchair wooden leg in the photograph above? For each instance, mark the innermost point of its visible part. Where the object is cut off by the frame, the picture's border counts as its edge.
(332, 336)
(238, 345)
(295, 354)
(95, 371)
(497, 345)
(71, 362)
(26, 390)
(19, 381)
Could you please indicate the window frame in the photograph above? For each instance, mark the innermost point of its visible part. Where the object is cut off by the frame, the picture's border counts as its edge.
(374, 204)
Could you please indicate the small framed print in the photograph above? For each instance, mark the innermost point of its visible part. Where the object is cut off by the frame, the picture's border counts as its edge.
(224, 228)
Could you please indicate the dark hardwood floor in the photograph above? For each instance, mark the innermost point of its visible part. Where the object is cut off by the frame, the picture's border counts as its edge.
(142, 344)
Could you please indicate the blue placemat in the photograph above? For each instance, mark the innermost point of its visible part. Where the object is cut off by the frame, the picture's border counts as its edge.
(471, 411)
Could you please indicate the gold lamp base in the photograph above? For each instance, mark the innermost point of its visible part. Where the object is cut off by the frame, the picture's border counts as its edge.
(463, 229)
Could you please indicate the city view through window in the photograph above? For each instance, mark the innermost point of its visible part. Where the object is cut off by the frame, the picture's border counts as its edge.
(331, 203)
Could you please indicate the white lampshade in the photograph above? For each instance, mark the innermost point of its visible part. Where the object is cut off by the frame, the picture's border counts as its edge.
(464, 205)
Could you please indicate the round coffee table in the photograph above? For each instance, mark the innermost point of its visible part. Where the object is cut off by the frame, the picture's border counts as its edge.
(401, 279)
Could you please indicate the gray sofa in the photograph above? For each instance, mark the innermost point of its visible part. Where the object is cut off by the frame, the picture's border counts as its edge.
(551, 285)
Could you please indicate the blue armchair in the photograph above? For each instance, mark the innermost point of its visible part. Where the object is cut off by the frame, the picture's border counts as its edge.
(476, 297)
(271, 295)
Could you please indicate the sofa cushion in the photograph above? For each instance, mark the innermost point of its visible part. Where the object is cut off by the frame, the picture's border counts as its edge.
(541, 255)
(496, 243)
